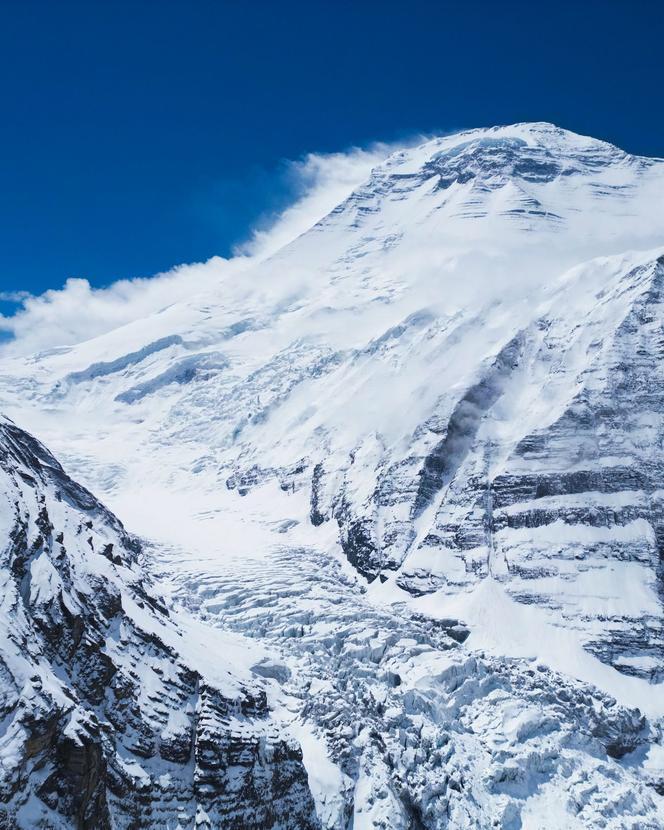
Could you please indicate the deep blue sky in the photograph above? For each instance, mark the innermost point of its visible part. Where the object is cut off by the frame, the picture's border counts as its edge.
(135, 136)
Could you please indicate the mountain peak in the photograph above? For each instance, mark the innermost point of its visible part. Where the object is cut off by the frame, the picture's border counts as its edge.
(504, 143)
(494, 183)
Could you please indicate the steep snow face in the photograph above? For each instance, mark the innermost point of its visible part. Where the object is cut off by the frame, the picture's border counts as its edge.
(115, 712)
(454, 379)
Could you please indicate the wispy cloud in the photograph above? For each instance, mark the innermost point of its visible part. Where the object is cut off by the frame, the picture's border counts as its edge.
(14, 296)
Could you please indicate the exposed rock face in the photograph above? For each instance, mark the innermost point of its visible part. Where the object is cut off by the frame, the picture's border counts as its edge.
(573, 507)
(105, 725)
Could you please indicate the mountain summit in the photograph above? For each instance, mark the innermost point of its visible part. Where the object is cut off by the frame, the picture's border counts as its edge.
(417, 457)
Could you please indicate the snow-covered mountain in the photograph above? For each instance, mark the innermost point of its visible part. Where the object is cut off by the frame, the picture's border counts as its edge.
(115, 711)
(417, 456)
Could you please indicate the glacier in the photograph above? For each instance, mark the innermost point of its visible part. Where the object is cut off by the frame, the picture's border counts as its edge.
(394, 499)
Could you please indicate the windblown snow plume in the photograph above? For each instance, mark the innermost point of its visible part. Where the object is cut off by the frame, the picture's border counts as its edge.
(79, 312)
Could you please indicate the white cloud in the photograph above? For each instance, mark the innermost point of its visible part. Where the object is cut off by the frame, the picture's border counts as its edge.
(78, 312)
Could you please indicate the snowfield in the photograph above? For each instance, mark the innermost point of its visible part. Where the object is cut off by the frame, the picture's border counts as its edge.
(399, 487)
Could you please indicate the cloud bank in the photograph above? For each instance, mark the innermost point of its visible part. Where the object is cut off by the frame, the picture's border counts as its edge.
(78, 312)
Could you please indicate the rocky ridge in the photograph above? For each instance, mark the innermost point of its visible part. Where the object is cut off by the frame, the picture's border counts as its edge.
(105, 722)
